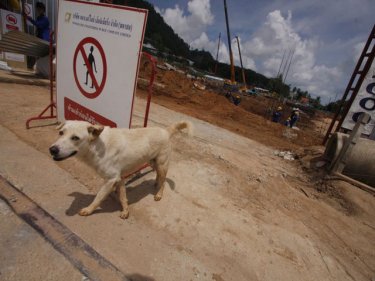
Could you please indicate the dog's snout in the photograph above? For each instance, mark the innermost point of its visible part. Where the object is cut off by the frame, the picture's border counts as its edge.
(54, 150)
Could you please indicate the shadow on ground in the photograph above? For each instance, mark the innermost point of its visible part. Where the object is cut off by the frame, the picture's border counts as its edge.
(111, 204)
(138, 277)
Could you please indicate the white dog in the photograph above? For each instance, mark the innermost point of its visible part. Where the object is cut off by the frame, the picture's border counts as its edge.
(114, 152)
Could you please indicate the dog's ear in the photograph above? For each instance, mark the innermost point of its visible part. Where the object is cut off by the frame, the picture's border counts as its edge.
(59, 126)
(95, 131)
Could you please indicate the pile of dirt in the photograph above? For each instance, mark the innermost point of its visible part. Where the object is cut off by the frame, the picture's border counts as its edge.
(250, 119)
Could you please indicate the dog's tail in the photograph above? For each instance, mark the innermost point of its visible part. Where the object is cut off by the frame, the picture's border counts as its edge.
(178, 127)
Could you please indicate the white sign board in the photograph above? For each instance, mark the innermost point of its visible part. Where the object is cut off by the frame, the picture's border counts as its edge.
(98, 52)
(11, 21)
(364, 102)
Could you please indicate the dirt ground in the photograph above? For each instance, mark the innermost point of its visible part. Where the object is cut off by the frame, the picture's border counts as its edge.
(234, 211)
(250, 119)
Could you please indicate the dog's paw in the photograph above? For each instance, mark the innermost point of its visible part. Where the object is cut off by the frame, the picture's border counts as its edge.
(85, 212)
(158, 197)
(124, 215)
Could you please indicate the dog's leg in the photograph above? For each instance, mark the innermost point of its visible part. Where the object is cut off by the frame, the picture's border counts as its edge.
(161, 168)
(121, 192)
(154, 166)
(104, 191)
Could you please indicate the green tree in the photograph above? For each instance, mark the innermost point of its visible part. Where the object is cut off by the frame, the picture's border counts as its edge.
(277, 85)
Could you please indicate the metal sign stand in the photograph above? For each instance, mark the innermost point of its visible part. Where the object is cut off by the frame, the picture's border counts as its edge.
(52, 105)
(145, 121)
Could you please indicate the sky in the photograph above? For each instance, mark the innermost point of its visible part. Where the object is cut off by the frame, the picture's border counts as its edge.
(327, 36)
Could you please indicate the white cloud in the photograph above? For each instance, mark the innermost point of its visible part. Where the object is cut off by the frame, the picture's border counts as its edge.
(202, 42)
(270, 64)
(247, 61)
(277, 36)
(192, 28)
(157, 9)
(189, 26)
(201, 10)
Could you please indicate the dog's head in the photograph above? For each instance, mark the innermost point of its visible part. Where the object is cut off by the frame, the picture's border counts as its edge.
(75, 136)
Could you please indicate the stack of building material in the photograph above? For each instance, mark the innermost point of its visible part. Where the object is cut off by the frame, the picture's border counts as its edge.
(23, 43)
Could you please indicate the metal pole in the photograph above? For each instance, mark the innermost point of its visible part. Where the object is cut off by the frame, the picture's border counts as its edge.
(281, 64)
(232, 78)
(243, 71)
(152, 79)
(217, 54)
(286, 62)
(290, 62)
(51, 72)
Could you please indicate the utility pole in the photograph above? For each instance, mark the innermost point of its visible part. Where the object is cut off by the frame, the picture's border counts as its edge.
(286, 63)
(217, 54)
(290, 62)
(243, 71)
(282, 61)
(232, 78)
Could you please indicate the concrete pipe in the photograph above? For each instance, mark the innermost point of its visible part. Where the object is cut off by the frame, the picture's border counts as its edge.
(361, 163)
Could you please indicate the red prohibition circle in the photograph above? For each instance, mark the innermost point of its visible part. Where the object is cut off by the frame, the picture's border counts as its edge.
(27, 9)
(80, 49)
(11, 19)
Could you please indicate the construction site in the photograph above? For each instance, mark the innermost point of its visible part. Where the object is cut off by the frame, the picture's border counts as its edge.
(245, 199)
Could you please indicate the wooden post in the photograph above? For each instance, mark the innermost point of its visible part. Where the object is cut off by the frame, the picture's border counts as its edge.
(341, 161)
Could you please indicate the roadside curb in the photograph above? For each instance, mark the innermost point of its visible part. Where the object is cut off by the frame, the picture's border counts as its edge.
(26, 78)
(80, 254)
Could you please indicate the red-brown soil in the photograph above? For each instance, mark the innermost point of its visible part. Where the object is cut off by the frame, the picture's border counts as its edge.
(250, 119)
